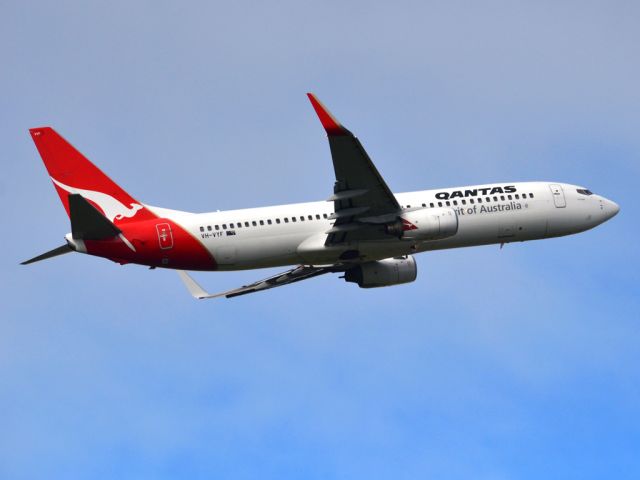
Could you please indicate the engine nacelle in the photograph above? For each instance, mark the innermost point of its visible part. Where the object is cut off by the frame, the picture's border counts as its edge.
(425, 224)
(383, 273)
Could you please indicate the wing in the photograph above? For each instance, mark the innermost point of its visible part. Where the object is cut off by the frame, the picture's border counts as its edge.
(296, 274)
(362, 199)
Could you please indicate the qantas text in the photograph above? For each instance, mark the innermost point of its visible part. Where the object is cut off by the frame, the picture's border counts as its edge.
(474, 192)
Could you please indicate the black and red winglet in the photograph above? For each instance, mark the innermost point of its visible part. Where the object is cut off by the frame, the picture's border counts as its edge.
(329, 122)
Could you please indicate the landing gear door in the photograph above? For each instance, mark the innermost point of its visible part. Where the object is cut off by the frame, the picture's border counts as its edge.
(558, 195)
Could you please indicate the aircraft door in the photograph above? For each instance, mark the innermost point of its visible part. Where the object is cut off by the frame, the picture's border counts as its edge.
(165, 237)
(558, 195)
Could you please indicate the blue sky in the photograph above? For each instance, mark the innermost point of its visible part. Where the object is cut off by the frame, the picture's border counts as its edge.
(521, 363)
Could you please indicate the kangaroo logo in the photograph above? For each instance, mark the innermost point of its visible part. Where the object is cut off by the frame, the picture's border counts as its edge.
(407, 225)
(111, 208)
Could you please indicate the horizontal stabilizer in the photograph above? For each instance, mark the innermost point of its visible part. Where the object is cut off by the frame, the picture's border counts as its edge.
(51, 253)
(87, 223)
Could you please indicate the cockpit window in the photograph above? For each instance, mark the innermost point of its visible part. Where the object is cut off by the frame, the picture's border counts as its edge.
(584, 191)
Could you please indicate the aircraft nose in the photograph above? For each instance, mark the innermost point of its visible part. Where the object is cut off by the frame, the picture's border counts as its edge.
(611, 209)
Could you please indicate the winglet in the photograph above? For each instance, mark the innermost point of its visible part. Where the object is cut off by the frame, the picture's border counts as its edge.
(194, 288)
(329, 122)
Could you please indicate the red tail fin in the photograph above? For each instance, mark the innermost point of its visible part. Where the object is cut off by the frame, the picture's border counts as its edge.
(71, 173)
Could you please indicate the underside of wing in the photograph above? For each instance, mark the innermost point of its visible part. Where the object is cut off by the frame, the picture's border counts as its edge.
(296, 274)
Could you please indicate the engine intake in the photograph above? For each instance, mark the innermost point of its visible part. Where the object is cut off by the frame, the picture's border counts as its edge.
(383, 273)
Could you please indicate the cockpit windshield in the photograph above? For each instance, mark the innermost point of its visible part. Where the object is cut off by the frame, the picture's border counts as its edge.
(584, 191)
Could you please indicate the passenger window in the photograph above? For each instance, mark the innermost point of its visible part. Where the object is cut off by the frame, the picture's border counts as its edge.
(224, 226)
(324, 215)
(464, 202)
(317, 216)
(209, 228)
(310, 217)
(202, 229)
(471, 201)
(488, 199)
(424, 205)
(293, 219)
(495, 199)
(517, 197)
(502, 197)
(254, 223)
(286, 219)
(448, 203)
(262, 222)
(431, 205)
(509, 197)
(269, 222)
(439, 204)
(239, 225)
(455, 202)
(246, 224)
(217, 227)
(231, 225)
(531, 195)
(479, 199)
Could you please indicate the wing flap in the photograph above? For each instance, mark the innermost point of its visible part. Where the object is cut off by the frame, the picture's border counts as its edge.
(346, 194)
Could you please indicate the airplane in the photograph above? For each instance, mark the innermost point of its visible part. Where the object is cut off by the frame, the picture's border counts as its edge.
(362, 231)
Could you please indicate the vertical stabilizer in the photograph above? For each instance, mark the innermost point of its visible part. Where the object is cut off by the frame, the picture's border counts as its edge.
(72, 173)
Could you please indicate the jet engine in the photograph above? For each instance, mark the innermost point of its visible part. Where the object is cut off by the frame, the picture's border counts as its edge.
(425, 224)
(383, 273)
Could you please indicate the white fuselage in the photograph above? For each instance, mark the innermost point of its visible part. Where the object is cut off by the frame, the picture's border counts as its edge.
(295, 234)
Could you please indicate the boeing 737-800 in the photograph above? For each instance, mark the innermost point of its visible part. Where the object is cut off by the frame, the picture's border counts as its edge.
(363, 230)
